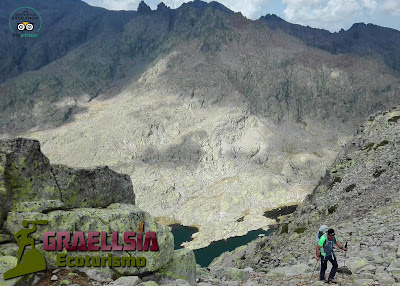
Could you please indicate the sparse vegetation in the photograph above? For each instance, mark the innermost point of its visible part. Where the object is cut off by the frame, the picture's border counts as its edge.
(383, 143)
(285, 228)
(300, 230)
(368, 147)
(332, 209)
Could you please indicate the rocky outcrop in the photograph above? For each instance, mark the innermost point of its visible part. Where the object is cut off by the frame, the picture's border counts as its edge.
(69, 200)
(26, 175)
(358, 197)
(143, 8)
(182, 266)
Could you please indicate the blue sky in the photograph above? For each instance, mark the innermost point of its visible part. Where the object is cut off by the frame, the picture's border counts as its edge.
(332, 15)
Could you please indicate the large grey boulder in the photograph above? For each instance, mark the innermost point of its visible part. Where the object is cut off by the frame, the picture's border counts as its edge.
(182, 266)
(394, 267)
(384, 279)
(27, 175)
(126, 281)
(289, 271)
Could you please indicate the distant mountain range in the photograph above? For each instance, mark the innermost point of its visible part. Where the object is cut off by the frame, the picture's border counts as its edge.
(85, 50)
(360, 39)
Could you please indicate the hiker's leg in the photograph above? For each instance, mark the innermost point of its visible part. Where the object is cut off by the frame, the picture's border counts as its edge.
(324, 265)
(334, 266)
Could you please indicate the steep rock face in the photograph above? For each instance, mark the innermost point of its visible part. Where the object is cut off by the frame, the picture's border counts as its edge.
(143, 8)
(27, 175)
(360, 39)
(358, 197)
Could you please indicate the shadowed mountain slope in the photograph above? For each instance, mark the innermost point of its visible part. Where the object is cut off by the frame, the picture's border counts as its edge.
(66, 25)
(361, 39)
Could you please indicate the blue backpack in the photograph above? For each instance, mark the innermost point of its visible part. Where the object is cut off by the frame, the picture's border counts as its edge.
(322, 231)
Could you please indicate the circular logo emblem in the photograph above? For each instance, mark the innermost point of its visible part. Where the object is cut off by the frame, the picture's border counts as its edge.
(26, 20)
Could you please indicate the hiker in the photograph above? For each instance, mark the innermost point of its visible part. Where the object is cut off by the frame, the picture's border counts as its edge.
(324, 252)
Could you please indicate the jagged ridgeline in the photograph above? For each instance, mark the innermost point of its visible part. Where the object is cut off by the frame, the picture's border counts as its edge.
(361, 39)
(102, 52)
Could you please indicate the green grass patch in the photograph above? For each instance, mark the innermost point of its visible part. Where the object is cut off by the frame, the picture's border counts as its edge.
(383, 143)
(369, 147)
(300, 230)
(285, 228)
(332, 209)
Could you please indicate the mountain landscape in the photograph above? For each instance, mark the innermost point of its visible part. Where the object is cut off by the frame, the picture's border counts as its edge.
(215, 118)
(358, 197)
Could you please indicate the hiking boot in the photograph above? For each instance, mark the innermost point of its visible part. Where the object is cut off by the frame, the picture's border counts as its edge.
(331, 280)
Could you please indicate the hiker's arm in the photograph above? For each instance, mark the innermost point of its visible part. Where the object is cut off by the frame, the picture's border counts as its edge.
(317, 252)
(340, 246)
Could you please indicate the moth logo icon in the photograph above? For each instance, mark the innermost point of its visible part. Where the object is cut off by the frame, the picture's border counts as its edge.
(25, 25)
(32, 261)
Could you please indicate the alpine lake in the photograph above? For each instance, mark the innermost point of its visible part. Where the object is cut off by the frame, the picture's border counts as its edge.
(204, 256)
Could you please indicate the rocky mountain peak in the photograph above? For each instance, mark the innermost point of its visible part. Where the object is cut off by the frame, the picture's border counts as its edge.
(162, 7)
(143, 8)
(198, 4)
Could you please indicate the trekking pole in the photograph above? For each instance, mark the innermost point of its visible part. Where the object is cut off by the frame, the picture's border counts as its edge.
(344, 265)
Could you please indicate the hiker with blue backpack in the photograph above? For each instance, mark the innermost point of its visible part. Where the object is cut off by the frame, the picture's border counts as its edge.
(324, 252)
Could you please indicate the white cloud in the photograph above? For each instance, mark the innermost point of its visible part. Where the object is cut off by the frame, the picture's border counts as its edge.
(115, 5)
(328, 14)
(391, 7)
(369, 4)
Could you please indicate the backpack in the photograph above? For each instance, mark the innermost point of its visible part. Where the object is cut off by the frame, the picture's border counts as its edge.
(322, 230)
